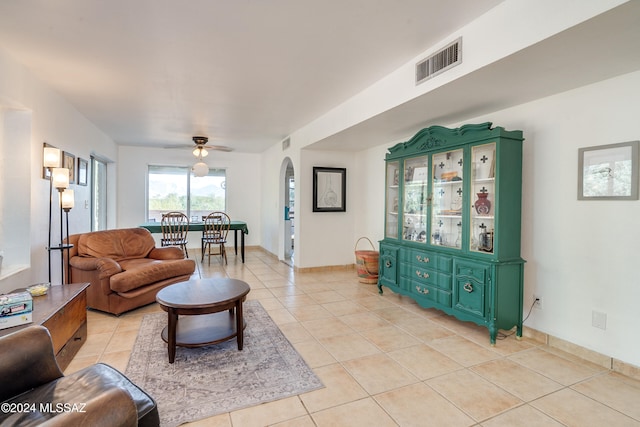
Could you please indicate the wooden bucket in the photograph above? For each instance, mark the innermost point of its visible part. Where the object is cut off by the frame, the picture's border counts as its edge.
(367, 264)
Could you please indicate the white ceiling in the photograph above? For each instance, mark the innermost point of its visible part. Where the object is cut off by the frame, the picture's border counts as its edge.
(247, 73)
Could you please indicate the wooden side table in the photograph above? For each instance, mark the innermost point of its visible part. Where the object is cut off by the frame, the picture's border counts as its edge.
(63, 311)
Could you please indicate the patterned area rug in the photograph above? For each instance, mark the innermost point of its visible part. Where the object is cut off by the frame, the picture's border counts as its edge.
(211, 380)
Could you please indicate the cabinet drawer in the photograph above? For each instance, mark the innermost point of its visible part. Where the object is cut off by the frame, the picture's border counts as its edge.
(65, 322)
(470, 297)
(425, 259)
(473, 271)
(414, 272)
(431, 293)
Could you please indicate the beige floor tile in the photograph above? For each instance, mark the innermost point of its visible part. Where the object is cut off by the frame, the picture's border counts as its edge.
(295, 332)
(314, 353)
(80, 362)
(327, 296)
(559, 369)
(373, 302)
(397, 315)
(259, 294)
(362, 413)
(476, 396)
(271, 303)
(419, 405)
(269, 413)
(424, 362)
(620, 393)
(351, 346)
(305, 421)
(118, 360)
(522, 416)
(309, 312)
(576, 410)
(329, 327)
(343, 308)
(463, 351)
(222, 420)
(379, 373)
(389, 338)
(122, 341)
(339, 388)
(516, 379)
(99, 324)
(425, 329)
(364, 321)
(299, 300)
(95, 345)
(281, 316)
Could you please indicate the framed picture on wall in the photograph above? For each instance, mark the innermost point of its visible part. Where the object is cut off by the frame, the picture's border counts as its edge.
(69, 162)
(83, 171)
(329, 189)
(609, 172)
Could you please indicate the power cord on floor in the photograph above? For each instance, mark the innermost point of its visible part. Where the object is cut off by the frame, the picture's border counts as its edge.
(502, 335)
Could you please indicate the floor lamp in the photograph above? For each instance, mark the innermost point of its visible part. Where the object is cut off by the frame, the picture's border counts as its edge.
(67, 200)
(60, 178)
(50, 159)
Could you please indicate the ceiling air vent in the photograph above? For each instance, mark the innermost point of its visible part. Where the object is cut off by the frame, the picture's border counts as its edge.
(439, 62)
(286, 143)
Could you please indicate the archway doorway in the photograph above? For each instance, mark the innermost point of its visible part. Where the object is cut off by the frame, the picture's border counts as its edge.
(289, 185)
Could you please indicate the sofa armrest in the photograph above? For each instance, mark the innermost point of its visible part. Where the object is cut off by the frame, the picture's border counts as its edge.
(167, 252)
(26, 361)
(105, 266)
(112, 408)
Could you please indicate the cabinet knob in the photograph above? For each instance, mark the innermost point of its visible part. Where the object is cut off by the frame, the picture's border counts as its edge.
(387, 264)
(421, 259)
(422, 275)
(468, 287)
(422, 291)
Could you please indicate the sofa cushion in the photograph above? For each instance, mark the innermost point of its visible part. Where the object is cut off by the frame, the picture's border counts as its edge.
(141, 272)
(116, 244)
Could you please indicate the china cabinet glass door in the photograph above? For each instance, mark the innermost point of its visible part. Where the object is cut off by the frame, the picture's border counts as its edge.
(483, 178)
(416, 179)
(393, 184)
(446, 203)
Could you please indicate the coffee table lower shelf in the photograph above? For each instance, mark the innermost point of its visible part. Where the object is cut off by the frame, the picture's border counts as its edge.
(204, 329)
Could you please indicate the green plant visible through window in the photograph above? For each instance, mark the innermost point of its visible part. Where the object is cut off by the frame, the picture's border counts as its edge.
(173, 188)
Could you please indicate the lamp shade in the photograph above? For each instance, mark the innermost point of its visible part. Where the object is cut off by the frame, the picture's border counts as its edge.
(200, 152)
(51, 157)
(67, 199)
(60, 178)
(200, 169)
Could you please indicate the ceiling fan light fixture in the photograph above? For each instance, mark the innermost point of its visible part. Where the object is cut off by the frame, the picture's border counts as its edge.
(200, 152)
(200, 169)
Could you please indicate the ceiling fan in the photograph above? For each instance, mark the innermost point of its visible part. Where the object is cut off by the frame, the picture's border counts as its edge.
(202, 149)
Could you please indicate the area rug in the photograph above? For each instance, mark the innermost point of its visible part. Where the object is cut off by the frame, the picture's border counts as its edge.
(211, 380)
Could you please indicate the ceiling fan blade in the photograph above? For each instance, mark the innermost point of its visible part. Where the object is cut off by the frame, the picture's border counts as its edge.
(218, 148)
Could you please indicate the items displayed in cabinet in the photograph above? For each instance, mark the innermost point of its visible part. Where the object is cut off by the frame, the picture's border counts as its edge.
(452, 231)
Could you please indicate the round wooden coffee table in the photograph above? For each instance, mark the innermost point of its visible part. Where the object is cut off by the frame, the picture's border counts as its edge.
(204, 304)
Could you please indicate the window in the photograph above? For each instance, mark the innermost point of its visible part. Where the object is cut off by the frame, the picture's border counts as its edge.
(98, 194)
(174, 188)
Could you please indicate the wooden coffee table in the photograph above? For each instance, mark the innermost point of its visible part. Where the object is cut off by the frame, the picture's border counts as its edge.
(211, 310)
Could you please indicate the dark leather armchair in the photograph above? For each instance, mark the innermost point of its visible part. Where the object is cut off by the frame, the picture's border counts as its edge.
(34, 391)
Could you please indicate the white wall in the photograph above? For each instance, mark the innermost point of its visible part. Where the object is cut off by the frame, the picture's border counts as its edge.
(580, 255)
(55, 121)
(243, 185)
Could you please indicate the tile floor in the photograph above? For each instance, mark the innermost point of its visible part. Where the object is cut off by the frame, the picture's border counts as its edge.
(387, 362)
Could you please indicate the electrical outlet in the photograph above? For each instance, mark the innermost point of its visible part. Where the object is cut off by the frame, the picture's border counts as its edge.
(537, 302)
(599, 320)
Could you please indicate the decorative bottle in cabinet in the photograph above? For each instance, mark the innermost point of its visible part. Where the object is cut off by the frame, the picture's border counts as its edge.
(452, 228)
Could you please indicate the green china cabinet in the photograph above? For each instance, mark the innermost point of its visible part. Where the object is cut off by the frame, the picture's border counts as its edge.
(452, 224)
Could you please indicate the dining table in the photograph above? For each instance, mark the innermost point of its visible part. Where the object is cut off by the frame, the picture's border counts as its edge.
(236, 226)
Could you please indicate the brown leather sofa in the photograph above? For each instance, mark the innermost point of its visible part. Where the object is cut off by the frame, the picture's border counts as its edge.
(35, 392)
(124, 267)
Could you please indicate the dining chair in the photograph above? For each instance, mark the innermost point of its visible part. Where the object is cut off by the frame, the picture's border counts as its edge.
(216, 229)
(174, 226)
